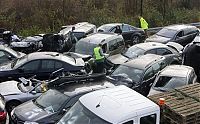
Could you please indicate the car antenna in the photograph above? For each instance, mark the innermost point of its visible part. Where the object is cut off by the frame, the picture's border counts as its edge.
(98, 105)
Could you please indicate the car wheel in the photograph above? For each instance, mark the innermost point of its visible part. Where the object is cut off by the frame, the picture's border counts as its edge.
(11, 105)
(135, 39)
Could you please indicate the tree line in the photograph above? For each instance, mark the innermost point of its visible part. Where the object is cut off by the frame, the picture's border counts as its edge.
(28, 17)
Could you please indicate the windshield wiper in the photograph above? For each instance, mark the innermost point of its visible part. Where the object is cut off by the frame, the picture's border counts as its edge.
(36, 103)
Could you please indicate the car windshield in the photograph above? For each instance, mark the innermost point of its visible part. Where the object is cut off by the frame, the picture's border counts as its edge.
(133, 52)
(104, 28)
(51, 101)
(79, 114)
(19, 61)
(84, 47)
(169, 33)
(128, 72)
(167, 82)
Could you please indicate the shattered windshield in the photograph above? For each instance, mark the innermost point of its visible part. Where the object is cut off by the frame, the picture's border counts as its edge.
(51, 101)
(85, 47)
(128, 72)
(79, 114)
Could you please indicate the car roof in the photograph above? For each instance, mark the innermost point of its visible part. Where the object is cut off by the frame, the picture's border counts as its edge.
(117, 104)
(73, 89)
(179, 27)
(176, 71)
(79, 27)
(150, 45)
(113, 24)
(143, 62)
(50, 55)
(101, 37)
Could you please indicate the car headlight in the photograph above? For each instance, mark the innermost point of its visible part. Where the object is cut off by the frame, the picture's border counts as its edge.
(29, 122)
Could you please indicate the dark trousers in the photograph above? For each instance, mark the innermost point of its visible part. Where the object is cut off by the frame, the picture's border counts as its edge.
(99, 67)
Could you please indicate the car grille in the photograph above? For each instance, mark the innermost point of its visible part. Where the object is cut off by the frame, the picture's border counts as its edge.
(16, 120)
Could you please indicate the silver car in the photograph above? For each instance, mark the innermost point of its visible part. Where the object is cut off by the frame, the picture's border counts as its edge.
(14, 93)
(171, 77)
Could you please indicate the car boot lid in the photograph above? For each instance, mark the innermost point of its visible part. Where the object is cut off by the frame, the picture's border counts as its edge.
(9, 88)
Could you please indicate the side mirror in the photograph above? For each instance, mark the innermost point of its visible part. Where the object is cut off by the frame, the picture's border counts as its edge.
(33, 92)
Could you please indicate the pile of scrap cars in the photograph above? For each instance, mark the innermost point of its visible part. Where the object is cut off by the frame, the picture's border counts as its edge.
(52, 78)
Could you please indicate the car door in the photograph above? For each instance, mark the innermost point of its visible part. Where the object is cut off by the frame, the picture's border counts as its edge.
(126, 33)
(28, 69)
(189, 34)
(169, 56)
(147, 80)
(47, 67)
(66, 107)
(181, 38)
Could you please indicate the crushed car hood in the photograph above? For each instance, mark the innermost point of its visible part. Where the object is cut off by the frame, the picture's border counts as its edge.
(117, 59)
(156, 38)
(9, 88)
(30, 112)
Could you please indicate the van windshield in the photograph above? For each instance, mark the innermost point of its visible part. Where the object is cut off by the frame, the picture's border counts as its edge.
(85, 47)
(79, 114)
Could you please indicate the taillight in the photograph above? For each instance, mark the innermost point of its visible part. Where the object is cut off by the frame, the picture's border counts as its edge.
(2, 115)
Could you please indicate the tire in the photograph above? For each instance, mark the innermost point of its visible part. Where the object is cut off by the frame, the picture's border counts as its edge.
(11, 105)
(135, 39)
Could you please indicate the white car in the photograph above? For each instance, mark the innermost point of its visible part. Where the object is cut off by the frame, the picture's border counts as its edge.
(171, 77)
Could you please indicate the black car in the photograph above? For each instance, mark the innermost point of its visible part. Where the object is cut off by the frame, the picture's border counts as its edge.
(171, 50)
(50, 106)
(131, 34)
(191, 54)
(182, 34)
(7, 54)
(139, 73)
(41, 64)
